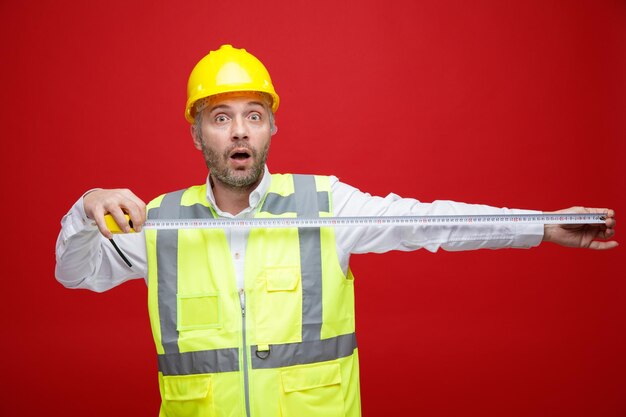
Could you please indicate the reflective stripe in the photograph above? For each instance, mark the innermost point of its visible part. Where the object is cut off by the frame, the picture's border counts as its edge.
(310, 258)
(199, 362)
(195, 211)
(289, 354)
(167, 273)
(277, 204)
(153, 213)
(167, 263)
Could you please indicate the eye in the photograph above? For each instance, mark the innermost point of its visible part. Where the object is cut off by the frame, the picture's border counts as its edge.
(221, 118)
(255, 117)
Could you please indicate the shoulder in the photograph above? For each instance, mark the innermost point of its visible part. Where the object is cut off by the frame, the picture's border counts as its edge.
(193, 192)
(322, 182)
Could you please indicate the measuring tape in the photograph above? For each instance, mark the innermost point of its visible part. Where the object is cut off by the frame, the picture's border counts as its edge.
(369, 221)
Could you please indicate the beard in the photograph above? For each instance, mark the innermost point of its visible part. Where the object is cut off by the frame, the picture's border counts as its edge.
(235, 178)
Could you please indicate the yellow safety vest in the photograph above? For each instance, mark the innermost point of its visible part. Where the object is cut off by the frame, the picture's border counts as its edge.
(291, 351)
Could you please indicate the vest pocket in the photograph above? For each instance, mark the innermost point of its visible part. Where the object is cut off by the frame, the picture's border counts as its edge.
(198, 311)
(187, 396)
(312, 391)
(278, 305)
(281, 279)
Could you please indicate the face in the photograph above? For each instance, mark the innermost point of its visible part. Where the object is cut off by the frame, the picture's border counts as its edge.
(235, 139)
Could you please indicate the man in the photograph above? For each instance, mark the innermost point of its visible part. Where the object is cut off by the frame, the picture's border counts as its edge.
(260, 322)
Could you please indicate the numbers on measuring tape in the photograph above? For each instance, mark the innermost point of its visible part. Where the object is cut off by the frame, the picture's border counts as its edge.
(443, 220)
(372, 221)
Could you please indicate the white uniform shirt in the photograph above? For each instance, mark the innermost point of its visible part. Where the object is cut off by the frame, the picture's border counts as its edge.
(86, 259)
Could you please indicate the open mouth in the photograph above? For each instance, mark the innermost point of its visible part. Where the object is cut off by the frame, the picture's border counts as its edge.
(240, 154)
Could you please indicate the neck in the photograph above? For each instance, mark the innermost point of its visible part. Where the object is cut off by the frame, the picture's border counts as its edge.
(231, 199)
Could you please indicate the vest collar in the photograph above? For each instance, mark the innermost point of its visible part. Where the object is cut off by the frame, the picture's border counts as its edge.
(255, 196)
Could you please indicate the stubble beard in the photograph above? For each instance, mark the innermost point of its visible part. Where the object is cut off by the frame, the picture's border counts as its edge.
(233, 178)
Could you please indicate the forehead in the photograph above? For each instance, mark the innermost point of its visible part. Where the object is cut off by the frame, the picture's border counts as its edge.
(237, 99)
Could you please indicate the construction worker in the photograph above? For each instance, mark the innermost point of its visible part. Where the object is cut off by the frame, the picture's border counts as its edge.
(260, 322)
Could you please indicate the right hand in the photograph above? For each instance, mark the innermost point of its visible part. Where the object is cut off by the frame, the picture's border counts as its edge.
(115, 202)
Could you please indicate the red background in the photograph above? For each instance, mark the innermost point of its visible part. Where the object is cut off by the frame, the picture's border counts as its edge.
(518, 104)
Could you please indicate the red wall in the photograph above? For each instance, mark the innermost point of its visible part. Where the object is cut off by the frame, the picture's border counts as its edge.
(518, 104)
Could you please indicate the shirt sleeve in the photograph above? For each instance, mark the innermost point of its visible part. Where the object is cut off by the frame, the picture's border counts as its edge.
(86, 259)
(349, 201)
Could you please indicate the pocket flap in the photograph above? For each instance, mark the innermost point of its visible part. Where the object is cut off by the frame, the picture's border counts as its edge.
(300, 379)
(186, 387)
(282, 279)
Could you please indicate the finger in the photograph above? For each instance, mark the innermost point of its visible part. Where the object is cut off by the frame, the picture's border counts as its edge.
(90, 202)
(610, 223)
(136, 214)
(120, 219)
(136, 209)
(606, 234)
(610, 218)
(137, 217)
(597, 245)
(608, 212)
(609, 215)
(590, 209)
(98, 217)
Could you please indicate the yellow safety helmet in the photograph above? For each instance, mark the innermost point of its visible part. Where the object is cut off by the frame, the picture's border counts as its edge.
(227, 70)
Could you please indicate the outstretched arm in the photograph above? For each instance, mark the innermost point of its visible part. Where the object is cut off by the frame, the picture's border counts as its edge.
(583, 235)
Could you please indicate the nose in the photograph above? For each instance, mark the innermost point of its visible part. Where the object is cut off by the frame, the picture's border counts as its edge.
(239, 128)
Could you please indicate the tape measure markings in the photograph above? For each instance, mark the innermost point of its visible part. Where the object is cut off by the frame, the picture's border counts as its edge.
(437, 220)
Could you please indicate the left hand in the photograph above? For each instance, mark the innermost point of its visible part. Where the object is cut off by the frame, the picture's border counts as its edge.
(583, 235)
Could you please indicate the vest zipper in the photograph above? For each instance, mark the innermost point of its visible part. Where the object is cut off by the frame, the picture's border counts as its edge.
(246, 388)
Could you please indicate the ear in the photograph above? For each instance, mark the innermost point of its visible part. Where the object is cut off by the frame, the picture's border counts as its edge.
(197, 142)
(274, 130)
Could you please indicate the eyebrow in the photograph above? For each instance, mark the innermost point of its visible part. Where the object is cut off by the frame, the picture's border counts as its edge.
(225, 107)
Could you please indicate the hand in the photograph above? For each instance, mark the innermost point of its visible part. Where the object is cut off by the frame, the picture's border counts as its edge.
(583, 235)
(115, 202)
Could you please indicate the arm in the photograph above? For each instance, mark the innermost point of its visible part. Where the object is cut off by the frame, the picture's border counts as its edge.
(85, 257)
(349, 201)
